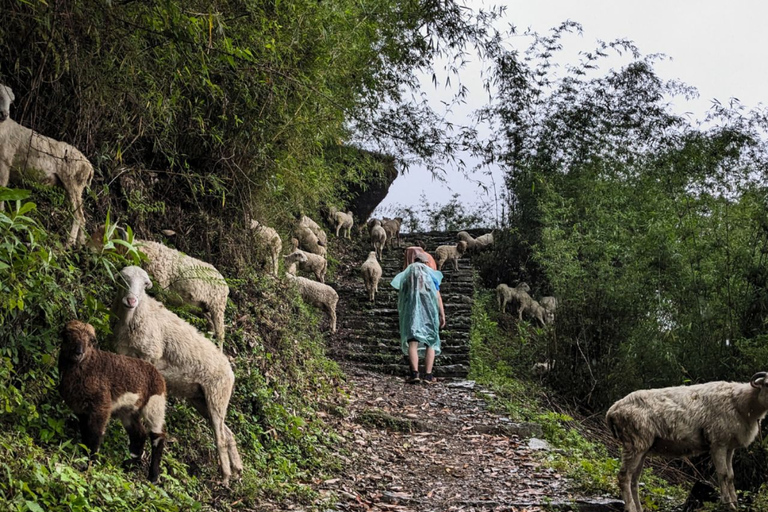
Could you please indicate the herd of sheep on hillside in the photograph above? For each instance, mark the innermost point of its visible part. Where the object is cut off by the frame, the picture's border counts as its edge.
(159, 353)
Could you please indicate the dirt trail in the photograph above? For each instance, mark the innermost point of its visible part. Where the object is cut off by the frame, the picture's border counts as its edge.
(425, 448)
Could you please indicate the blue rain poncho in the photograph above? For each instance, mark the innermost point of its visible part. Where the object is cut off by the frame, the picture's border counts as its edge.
(418, 307)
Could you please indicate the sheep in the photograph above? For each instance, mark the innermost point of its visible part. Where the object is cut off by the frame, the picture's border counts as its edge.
(475, 243)
(535, 310)
(193, 367)
(445, 253)
(271, 244)
(378, 238)
(317, 294)
(392, 227)
(371, 271)
(518, 294)
(307, 262)
(681, 421)
(97, 384)
(306, 222)
(25, 154)
(342, 221)
(308, 241)
(550, 305)
(196, 282)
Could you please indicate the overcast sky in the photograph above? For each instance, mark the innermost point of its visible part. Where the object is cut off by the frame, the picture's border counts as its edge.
(720, 48)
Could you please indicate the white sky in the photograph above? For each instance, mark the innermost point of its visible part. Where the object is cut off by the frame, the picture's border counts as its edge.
(721, 48)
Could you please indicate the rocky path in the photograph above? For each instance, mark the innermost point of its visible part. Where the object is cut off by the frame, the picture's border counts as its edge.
(436, 448)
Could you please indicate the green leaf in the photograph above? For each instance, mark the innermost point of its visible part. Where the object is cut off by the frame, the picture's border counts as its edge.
(13, 194)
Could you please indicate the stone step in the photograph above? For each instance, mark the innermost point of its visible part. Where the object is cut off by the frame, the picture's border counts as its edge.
(446, 371)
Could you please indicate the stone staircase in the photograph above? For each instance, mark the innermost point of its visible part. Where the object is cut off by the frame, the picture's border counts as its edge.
(369, 334)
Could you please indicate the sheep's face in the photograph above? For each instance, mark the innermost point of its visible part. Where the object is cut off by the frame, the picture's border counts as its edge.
(77, 340)
(461, 247)
(6, 98)
(464, 236)
(372, 255)
(523, 287)
(296, 257)
(134, 283)
(759, 381)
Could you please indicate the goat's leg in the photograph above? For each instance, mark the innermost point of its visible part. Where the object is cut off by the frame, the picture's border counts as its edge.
(629, 477)
(456, 264)
(720, 460)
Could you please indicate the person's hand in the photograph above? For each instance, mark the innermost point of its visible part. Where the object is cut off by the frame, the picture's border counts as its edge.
(442, 322)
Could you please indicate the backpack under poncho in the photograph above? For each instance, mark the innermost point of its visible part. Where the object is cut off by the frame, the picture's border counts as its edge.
(418, 307)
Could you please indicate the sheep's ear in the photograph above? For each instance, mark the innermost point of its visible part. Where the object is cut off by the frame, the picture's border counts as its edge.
(148, 284)
(758, 380)
(9, 93)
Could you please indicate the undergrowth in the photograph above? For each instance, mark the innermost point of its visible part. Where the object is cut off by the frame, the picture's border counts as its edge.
(283, 380)
(502, 360)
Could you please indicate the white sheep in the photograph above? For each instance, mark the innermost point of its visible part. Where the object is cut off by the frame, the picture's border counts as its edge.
(343, 221)
(516, 295)
(716, 417)
(270, 244)
(307, 262)
(26, 154)
(308, 241)
(453, 253)
(392, 227)
(318, 294)
(535, 310)
(191, 364)
(550, 305)
(196, 282)
(371, 271)
(378, 238)
(475, 243)
(306, 222)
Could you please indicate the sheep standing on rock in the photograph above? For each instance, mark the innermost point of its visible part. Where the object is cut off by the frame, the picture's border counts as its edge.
(453, 253)
(475, 243)
(25, 154)
(270, 244)
(392, 227)
(97, 384)
(716, 417)
(193, 367)
(371, 271)
(317, 294)
(196, 282)
(307, 262)
(378, 238)
(342, 221)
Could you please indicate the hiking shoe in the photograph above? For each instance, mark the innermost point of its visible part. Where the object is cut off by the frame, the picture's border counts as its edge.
(413, 378)
(429, 379)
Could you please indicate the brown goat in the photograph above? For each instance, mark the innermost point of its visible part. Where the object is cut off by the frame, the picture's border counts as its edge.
(96, 384)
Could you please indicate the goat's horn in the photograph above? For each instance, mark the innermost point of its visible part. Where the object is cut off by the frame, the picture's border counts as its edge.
(758, 379)
(123, 233)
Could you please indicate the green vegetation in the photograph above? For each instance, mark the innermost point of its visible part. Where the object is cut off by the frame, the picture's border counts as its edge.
(648, 227)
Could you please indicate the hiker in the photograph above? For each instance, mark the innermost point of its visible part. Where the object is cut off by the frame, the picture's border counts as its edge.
(420, 308)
